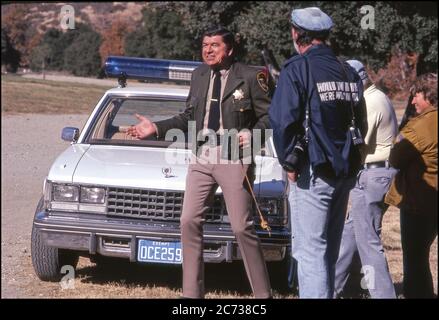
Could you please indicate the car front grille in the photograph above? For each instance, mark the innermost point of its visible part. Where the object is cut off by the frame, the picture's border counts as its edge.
(155, 205)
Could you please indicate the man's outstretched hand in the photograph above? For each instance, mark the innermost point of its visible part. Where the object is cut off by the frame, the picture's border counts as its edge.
(143, 129)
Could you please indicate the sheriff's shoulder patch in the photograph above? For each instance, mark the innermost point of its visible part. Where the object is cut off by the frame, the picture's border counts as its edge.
(262, 80)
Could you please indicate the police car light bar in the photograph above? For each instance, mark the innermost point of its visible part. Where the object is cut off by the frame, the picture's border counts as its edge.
(147, 68)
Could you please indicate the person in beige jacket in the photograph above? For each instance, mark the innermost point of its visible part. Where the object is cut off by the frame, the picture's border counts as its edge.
(414, 189)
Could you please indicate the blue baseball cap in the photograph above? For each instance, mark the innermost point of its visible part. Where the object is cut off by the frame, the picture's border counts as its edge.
(311, 19)
(359, 67)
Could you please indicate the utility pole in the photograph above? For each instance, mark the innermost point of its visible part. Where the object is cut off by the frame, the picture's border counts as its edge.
(43, 68)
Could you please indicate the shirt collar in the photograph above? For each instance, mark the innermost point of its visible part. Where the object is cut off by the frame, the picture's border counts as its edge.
(223, 72)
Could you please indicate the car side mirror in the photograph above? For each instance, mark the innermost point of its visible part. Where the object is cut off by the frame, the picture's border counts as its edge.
(70, 134)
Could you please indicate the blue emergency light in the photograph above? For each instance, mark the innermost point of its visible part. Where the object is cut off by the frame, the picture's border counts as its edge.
(147, 68)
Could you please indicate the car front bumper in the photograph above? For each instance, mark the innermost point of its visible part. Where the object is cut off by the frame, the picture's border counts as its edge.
(118, 237)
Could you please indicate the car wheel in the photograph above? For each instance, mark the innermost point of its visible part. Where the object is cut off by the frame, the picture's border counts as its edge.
(48, 261)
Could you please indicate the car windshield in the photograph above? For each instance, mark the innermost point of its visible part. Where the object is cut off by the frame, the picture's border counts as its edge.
(118, 114)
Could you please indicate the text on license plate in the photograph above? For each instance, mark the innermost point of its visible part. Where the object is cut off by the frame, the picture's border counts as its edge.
(159, 252)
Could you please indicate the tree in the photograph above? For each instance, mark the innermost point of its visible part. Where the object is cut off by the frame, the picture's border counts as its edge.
(197, 17)
(266, 24)
(52, 49)
(52, 46)
(82, 56)
(200, 16)
(137, 44)
(402, 41)
(113, 40)
(398, 26)
(10, 56)
(19, 31)
(54, 43)
(40, 58)
(162, 36)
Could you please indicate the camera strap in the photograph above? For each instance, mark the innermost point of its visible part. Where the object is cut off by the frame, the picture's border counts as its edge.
(308, 103)
(350, 91)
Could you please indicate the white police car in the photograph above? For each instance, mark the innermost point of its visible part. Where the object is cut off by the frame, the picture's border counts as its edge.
(110, 195)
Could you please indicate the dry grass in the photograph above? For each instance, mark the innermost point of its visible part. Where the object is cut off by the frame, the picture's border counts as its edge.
(392, 244)
(120, 279)
(21, 95)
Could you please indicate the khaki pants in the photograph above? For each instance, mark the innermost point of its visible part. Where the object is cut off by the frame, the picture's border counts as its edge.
(202, 180)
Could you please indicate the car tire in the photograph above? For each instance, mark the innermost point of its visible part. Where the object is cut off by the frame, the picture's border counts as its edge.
(48, 261)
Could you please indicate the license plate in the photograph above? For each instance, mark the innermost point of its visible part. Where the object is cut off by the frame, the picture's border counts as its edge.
(159, 252)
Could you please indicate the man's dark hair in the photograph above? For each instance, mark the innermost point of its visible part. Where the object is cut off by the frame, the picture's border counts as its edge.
(228, 37)
(305, 37)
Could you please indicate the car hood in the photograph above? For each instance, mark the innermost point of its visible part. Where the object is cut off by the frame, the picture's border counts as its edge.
(145, 168)
(135, 167)
(65, 164)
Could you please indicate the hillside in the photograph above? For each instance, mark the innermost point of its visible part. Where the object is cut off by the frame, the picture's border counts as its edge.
(43, 16)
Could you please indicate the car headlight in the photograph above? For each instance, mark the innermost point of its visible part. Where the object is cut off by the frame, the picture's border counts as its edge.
(273, 210)
(92, 195)
(269, 206)
(64, 193)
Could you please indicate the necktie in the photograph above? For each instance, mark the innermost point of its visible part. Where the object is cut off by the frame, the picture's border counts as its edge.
(214, 111)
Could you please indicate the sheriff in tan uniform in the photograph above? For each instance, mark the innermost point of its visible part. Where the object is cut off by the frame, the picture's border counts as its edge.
(223, 95)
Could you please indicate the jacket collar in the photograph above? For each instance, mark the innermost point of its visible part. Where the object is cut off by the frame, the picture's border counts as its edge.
(234, 79)
(428, 110)
(203, 83)
(320, 48)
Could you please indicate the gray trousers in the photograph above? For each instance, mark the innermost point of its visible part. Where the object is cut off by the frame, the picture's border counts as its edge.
(317, 205)
(362, 233)
(202, 180)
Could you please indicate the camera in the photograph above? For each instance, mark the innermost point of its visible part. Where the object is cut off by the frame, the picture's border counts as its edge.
(357, 139)
(294, 159)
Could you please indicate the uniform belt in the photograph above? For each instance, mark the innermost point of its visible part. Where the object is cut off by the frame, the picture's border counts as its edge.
(378, 164)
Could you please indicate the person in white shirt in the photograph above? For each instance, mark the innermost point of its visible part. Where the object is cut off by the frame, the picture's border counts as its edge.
(362, 229)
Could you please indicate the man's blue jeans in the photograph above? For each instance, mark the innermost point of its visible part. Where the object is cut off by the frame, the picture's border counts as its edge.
(362, 233)
(318, 206)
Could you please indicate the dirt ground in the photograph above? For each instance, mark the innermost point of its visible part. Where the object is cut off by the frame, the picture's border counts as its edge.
(30, 143)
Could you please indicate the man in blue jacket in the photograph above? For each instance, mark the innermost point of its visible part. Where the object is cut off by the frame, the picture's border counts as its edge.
(317, 114)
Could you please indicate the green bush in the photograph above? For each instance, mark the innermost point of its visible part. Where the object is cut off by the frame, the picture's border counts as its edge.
(82, 57)
(10, 56)
(162, 36)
